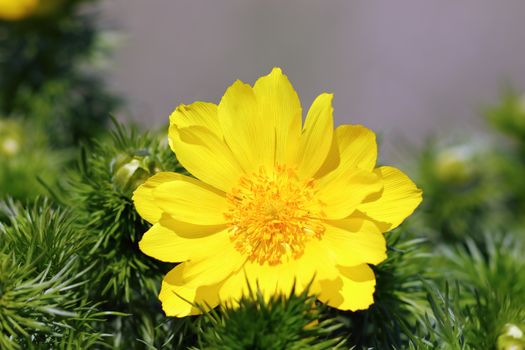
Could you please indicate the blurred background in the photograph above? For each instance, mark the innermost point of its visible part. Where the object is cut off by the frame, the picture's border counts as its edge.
(405, 68)
(441, 82)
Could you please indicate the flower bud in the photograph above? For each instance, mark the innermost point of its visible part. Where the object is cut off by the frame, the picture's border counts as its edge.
(10, 138)
(129, 172)
(455, 165)
(511, 338)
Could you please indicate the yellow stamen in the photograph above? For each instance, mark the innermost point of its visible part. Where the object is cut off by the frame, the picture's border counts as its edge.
(271, 216)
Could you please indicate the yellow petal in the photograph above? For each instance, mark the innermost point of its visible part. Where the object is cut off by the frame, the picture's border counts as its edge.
(331, 161)
(210, 269)
(279, 105)
(189, 230)
(250, 137)
(143, 199)
(270, 280)
(343, 190)
(205, 156)
(354, 146)
(173, 241)
(316, 138)
(190, 200)
(233, 288)
(353, 290)
(355, 241)
(399, 198)
(316, 264)
(179, 300)
(199, 280)
(197, 114)
(357, 146)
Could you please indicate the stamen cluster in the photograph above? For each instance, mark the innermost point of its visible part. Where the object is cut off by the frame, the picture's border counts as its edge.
(272, 216)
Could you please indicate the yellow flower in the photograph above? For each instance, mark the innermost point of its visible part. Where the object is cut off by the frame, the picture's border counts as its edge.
(273, 202)
(16, 9)
(13, 10)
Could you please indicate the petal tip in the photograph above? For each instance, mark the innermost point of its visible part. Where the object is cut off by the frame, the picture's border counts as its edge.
(328, 95)
(143, 247)
(171, 311)
(365, 302)
(277, 71)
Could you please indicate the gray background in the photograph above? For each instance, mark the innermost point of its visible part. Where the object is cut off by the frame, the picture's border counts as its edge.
(405, 68)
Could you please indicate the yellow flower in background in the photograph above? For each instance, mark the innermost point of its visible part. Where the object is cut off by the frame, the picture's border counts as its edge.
(13, 10)
(273, 201)
(16, 9)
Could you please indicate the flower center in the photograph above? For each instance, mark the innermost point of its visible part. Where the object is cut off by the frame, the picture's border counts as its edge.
(273, 216)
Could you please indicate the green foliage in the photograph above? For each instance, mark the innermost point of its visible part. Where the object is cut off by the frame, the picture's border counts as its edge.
(473, 208)
(492, 281)
(472, 186)
(283, 322)
(163, 333)
(43, 75)
(43, 281)
(50, 97)
(495, 267)
(462, 192)
(72, 109)
(100, 192)
(508, 116)
(453, 325)
(489, 295)
(26, 160)
(443, 326)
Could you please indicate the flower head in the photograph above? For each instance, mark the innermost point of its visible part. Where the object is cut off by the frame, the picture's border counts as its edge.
(273, 203)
